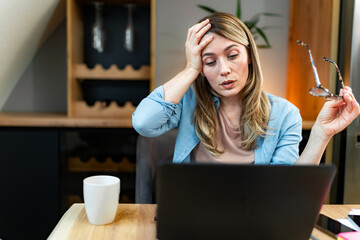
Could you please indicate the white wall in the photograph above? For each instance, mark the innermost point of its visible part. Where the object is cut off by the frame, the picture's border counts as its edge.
(22, 24)
(42, 86)
(174, 17)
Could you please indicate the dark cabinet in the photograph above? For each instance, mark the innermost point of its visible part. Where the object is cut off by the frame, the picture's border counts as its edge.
(42, 168)
(29, 183)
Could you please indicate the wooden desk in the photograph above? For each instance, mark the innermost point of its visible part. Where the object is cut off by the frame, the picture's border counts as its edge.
(132, 221)
(333, 211)
(136, 221)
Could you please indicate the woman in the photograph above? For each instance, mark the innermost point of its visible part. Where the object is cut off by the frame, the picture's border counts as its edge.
(225, 116)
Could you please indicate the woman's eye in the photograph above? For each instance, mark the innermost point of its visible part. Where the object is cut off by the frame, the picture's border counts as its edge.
(233, 56)
(210, 63)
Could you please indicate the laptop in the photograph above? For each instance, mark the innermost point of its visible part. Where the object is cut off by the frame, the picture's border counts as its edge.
(231, 201)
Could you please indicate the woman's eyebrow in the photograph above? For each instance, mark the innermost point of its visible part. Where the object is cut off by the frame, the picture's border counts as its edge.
(230, 46)
(207, 54)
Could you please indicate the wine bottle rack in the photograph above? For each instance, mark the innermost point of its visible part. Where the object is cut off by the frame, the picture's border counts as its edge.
(115, 63)
(101, 109)
(81, 71)
(76, 165)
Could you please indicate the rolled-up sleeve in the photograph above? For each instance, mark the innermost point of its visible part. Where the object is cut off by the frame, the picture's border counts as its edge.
(155, 116)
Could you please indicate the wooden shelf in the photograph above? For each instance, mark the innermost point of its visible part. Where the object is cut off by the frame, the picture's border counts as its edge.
(76, 165)
(100, 109)
(115, 2)
(307, 125)
(60, 120)
(81, 71)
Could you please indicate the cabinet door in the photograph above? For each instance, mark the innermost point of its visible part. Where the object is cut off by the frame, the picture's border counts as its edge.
(315, 23)
(29, 183)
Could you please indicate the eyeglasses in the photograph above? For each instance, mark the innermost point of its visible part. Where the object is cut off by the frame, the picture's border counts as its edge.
(319, 90)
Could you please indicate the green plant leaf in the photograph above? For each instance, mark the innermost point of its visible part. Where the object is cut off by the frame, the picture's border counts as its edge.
(271, 14)
(258, 15)
(253, 22)
(262, 34)
(238, 9)
(270, 27)
(263, 46)
(210, 10)
(250, 25)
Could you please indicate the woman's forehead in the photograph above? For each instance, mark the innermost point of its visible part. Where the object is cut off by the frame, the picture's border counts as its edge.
(219, 43)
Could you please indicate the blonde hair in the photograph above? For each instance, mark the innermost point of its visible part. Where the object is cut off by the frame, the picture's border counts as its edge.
(254, 103)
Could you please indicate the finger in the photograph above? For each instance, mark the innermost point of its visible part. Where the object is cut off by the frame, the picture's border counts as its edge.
(347, 88)
(355, 104)
(205, 41)
(202, 31)
(349, 92)
(335, 105)
(194, 29)
(354, 112)
(200, 25)
(349, 102)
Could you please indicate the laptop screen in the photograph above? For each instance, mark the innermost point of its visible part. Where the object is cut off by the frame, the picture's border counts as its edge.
(227, 201)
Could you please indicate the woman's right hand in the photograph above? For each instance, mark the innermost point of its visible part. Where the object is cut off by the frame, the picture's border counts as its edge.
(175, 88)
(193, 45)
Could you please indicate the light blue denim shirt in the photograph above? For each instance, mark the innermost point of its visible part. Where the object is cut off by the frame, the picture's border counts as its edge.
(155, 116)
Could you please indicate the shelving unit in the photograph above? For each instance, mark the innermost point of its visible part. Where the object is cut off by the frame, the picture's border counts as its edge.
(88, 152)
(81, 71)
(84, 64)
(105, 87)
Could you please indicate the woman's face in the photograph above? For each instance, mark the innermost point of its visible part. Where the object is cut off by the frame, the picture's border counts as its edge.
(225, 65)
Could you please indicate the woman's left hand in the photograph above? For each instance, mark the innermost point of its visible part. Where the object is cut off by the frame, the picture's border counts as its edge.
(336, 115)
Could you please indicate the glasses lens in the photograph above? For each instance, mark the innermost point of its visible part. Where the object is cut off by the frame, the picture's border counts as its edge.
(319, 92)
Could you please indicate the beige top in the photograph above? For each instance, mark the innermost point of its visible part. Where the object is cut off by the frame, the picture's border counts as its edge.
(227, 137)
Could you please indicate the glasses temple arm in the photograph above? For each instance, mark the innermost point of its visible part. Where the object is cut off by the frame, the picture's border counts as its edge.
(338, 71)
(317, 80)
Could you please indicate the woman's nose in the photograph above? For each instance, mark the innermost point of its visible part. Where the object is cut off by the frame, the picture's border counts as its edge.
(224, 68)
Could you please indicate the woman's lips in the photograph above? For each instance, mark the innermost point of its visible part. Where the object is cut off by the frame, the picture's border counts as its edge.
(228, 84)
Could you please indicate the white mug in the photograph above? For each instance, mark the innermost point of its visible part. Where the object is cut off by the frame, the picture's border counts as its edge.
(101, 196)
